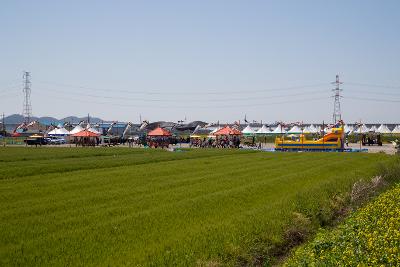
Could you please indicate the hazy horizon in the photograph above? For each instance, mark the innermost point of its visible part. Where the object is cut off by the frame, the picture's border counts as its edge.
(209, 60)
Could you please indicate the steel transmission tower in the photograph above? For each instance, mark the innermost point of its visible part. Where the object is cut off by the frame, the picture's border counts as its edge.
(337, 115)
(27, 109)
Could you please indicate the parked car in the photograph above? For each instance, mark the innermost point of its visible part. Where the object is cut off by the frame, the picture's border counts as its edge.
(54, 140)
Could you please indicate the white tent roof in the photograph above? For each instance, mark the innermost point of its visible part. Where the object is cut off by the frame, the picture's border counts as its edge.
(263, 130)
(327, 130)
(295, 130)
(90, 128)
(363, 129)
(312, 129)
(216, 129)
(396, 129)
(248, 130)
(307, 130)
(59, 131)
(373, 129)
(348, 128)
(383, 129)
(93, 130)
(77, 129)
(279, 130)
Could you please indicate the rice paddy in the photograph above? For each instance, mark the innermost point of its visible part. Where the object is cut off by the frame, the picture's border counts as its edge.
(142, 207)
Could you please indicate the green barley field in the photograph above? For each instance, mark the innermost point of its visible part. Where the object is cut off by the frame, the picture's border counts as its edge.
(142, 207)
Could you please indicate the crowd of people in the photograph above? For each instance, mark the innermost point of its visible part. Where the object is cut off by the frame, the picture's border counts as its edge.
(218, 142)
(158, 142)
(222, 141)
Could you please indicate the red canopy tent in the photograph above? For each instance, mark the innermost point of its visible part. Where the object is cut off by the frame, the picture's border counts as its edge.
(85, 133)
(86, 138)
(228, 131)
(159, 132)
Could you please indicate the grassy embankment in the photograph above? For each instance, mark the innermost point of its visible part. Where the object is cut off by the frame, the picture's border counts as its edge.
(114, 206)
(369, 237)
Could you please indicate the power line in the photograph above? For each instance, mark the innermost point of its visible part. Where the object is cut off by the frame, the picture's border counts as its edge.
(8, 94)
(9, 88)
(193, 106)
(202, 92)
(373, 85)
(372, 92)
(186, 100)
(373, 99)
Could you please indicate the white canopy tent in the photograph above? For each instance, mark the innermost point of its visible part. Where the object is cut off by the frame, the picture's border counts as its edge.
(279, 130)
(90, 128)
(313, 129)
(327, 130)
(263, 130)
(294, 130)
(248, 130)
(307, 130)
(348, 128)
(215, 130)
(363, 129)
(383, 129)
(58, 132)
(396, 130)
(77, 129)
(373, 129)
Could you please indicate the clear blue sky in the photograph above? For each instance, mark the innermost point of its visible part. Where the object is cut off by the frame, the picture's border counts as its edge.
(203, 60)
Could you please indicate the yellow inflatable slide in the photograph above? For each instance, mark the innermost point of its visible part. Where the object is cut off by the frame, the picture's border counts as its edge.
(330, 141)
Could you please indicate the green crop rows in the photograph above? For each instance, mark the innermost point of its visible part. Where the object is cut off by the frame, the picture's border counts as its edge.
(142, 207)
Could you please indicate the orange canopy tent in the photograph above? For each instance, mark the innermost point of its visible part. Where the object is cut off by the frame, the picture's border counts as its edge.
(228, 131)
(85, 133)
(159, 132)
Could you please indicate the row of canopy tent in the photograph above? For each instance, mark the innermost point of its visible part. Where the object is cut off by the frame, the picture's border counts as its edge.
(383, 129)
(218, 131)
(280, 130)
(89, 131)
(61, 131)
(78, 131)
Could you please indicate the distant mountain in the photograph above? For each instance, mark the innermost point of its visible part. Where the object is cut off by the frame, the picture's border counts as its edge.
(17, 119)
(71, 119)
(48, 120)
(74, 119)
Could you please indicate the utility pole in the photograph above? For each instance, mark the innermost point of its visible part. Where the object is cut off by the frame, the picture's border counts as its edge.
(27, 108)
(337, 115)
